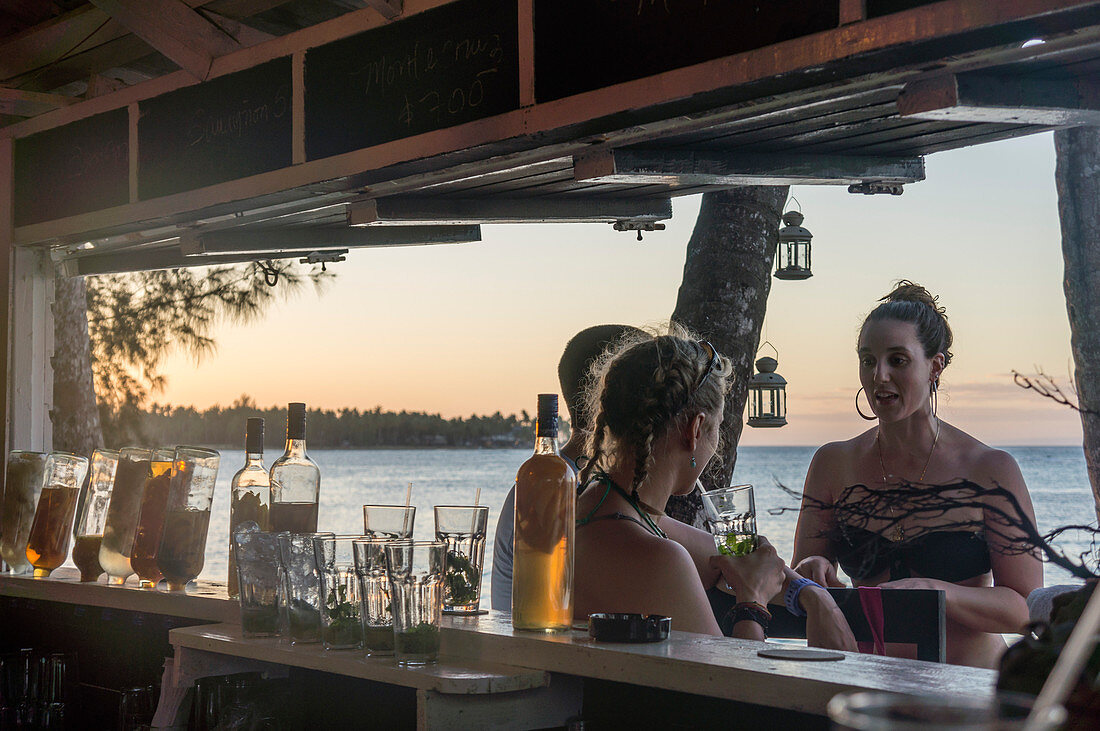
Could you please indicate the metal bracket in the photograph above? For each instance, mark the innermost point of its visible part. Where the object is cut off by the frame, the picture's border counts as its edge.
(869, 188)
(638, 226)
(324, 257)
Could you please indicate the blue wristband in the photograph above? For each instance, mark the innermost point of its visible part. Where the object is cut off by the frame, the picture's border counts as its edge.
(790, 597)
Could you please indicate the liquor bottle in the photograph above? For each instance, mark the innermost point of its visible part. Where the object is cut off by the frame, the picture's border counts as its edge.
(295, 479)
(250, 491)
(546, 496)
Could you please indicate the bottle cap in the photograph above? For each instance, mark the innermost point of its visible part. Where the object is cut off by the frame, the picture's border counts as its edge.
(254, 435)
(296, 420)
(548, 415)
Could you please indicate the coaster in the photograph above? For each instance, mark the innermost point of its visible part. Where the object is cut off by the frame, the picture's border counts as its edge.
(789, 653)
(459, 613)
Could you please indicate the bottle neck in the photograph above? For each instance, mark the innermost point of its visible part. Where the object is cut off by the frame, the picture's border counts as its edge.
(253, 459)
(295, 447)
(546, 444)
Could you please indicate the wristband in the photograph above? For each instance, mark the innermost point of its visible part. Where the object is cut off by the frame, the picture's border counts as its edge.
(752, 612)
(790, 597)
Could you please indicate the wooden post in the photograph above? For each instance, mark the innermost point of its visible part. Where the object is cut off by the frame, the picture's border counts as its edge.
(7, 248)
(724, 294)
(1077, 176)
(31, 336)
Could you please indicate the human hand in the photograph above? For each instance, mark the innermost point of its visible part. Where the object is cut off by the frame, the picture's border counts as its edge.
(756, 577)
(819, 569)
(826, 625)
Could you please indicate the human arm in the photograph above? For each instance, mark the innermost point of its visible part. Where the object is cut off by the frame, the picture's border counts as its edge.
(501, 586)
(698, 543)
(826, 625)
(756, 577)
(812, 553)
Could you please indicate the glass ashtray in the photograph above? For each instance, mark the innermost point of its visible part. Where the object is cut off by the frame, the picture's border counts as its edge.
(619, 627)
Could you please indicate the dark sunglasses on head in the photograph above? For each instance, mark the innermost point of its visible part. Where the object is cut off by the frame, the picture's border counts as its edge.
(715, 363)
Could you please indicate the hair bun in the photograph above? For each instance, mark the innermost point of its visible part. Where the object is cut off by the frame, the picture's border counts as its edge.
(906, 291)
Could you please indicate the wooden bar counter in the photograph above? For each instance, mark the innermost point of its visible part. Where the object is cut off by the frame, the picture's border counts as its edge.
(491, 675)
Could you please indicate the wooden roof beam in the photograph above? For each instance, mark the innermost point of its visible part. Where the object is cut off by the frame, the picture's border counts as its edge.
(388, 9)
(171, 27)
(277, 241)
(1003, 98)
(405, 211)
(683, 168)
(30, 103)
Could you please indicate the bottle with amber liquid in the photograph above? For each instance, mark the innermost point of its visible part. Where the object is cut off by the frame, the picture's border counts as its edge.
(150, 524)
(546, 496)
(250, 492)
(295, 480)
(48, 544)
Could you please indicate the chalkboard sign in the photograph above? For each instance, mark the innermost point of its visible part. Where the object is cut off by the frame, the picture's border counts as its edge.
(454, 64)
(227, 128)
(582, 45)
(875, 8)
(80, 167)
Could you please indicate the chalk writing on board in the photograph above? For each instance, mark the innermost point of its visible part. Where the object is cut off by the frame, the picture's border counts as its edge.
(212, 126)
(87, 160)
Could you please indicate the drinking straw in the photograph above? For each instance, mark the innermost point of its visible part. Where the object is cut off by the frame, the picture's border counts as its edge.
(1067, 669)
(405, 517)
(477, 497)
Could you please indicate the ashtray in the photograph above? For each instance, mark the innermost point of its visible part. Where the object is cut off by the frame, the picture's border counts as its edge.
(617, 627)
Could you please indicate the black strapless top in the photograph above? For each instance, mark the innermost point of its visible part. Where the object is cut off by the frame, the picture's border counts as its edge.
(945, 555)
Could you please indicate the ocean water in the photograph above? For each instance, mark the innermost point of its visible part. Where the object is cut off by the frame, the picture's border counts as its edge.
(1055, 476)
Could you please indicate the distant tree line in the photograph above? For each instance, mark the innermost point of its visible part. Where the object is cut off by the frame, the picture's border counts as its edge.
(342, 428)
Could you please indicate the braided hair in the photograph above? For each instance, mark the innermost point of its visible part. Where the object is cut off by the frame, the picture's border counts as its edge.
(912, 303)
(640, 391)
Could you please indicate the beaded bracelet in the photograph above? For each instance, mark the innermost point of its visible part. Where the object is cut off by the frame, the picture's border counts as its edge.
(790, 597)
(753, 612)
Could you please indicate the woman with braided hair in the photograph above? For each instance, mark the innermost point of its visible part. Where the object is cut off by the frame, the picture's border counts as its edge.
(657, 404)
(920, 536)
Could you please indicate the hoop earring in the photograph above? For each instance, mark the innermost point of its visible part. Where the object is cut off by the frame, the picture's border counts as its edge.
(934, 397)
(863, 415)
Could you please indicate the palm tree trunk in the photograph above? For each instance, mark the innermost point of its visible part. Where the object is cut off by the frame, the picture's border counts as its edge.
(1077, 176)
(724, 295)
(76, 426)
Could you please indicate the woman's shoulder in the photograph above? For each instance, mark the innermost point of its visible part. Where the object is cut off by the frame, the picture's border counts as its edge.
(844, 450)
(985, 464)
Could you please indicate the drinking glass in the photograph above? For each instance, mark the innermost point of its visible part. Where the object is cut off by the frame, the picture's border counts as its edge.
(150, 523)
(48, 544)
(21, 492)
(462, 528)
(389, 521)
(730, 515)
(93, 513)
(301, 586)
(122, 513)
(182, 550)
(257, 555)
(374, 592)
(341, 626)
(883, 711)
(415, 570)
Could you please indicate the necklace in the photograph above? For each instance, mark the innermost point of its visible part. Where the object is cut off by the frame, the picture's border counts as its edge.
(899, 530)
(632, 500)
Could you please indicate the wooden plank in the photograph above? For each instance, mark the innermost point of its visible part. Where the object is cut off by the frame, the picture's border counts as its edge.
(29, 103)
(404, 211)
(7, 279)
(203, 600)
(311, 238)
(997, 98)
(678, 167)
(31, 343)
(451, 675)
(388, 9)
(174, 29)
(852, 11)
(717, 667)
(779, 132)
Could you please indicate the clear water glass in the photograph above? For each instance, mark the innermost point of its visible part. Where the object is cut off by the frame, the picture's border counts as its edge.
(341, 624)
(462, 528)
(302, 586)
(415, 570)
(374, 593)
(730, 516)
(389, 521)
(257, 556)
(881, 711)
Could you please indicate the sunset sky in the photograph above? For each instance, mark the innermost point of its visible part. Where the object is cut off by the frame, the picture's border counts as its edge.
(476, 328)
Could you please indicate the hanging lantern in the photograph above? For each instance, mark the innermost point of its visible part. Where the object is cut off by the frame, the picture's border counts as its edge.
(792, 255)
(767, 395)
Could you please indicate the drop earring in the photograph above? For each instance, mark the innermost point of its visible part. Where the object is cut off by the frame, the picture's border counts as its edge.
(693, 461)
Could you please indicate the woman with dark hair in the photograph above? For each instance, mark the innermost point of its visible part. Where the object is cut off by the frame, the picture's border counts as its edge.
(904, 346)
(656, 404)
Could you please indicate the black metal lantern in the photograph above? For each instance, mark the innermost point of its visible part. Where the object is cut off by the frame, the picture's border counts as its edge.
(792, 254)
(767, 395)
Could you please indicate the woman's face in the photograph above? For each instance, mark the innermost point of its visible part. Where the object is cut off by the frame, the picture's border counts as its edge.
(893, 369)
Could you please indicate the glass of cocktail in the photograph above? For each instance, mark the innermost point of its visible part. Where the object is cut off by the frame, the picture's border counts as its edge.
(730, 516)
